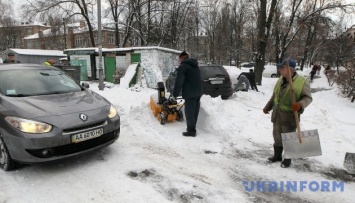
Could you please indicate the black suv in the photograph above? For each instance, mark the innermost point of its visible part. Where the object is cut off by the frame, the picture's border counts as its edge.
(216, 81)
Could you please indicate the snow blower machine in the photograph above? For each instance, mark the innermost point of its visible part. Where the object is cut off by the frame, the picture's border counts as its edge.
(165, 109)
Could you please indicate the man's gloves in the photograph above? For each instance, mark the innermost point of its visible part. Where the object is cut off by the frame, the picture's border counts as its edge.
(172, 99)
(265, 111)
(296, 106)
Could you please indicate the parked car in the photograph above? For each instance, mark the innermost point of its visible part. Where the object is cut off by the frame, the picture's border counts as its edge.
(45, 115)
(248, 65)
(216, 81)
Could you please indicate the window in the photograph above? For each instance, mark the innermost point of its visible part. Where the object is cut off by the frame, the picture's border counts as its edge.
(110, 39)
(80, 42)
(29, 45)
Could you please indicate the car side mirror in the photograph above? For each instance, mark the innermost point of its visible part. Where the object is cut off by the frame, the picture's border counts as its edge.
(86, 85)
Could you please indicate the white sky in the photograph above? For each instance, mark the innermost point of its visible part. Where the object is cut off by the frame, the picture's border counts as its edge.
(233, 141)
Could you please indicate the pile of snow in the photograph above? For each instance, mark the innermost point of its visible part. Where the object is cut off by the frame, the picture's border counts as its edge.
(127, 78)
(151, 162)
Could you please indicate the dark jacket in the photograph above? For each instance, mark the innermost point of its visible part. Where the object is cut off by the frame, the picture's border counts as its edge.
(243, 73)
(188, 79)
(250, 76)
(315, 68)
(7, 61)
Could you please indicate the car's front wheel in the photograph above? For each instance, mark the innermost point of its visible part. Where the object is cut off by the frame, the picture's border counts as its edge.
(274, 75)
(6, 163)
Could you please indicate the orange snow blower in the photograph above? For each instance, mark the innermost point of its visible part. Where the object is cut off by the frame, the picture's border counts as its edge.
(166, 110)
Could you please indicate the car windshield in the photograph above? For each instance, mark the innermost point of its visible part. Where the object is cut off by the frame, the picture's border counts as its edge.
(31, 82)
(212, 71)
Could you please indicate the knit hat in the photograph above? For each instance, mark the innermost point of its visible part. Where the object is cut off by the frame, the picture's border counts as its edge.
(10, 54)
(289, 62)
(184, 53)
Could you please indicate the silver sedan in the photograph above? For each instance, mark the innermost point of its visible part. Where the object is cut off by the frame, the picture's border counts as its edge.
(45, 115)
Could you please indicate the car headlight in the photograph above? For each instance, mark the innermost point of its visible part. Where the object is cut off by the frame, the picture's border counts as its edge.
(112, 113)
(28, 126)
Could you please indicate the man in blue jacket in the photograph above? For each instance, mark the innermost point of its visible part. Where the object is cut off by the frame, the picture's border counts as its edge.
(188, 80)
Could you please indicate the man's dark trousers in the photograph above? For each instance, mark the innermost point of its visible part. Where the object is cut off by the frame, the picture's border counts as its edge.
(192, 108)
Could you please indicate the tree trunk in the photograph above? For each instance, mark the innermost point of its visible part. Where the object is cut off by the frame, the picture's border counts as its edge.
(264, 25)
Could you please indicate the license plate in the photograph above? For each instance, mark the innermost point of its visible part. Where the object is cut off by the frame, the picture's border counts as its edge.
(87, 135)
(216, 82)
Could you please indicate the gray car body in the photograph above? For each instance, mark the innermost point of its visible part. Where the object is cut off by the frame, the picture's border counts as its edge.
(62, 111)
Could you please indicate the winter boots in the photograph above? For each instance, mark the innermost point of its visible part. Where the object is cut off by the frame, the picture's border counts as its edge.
(278, 157)
(189, 134)
(277, 154)
(286, 163)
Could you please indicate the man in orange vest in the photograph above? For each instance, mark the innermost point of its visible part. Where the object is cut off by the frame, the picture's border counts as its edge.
(280, 103)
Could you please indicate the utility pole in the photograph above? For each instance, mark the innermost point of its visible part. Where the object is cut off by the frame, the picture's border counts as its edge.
(65, 20)
(101, 71)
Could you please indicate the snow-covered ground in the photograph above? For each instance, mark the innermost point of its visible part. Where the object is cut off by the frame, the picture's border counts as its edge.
(151, 162)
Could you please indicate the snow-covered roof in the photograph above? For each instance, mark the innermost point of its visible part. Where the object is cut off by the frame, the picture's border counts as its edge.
(125, 49)
(39, 52)
(146, 48)
(75, 26)
(46, 33)
(24, 24)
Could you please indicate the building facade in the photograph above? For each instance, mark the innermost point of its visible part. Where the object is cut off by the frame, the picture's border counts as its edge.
(75, 35)
(13, 36)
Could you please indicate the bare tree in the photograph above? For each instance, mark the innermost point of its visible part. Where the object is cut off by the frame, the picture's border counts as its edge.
(264, 29)
(5, 10)
(238, 13)
(307, 18)
(140, 19)
(284, 27)
(313, 19)
(9, 35)
(250, 34)
(209, 21)
(43, 8)
(214, 30)
(230, 32)
(337, 50)
(116, 9)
